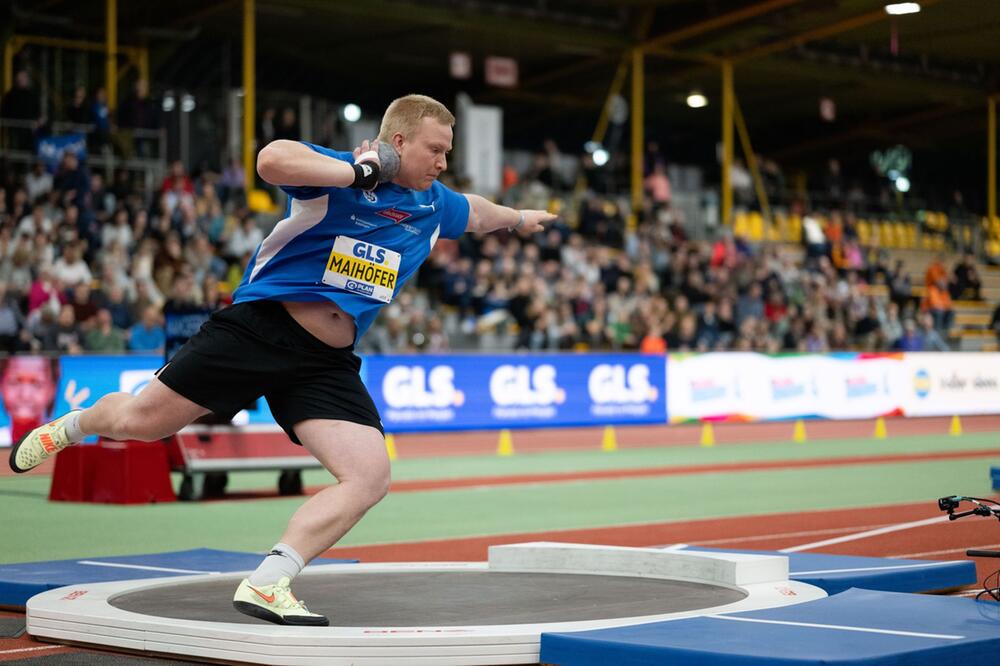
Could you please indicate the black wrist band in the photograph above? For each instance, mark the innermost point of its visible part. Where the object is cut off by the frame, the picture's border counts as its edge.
(365, 176)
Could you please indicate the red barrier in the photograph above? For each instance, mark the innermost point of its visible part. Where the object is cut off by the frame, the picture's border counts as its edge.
(113, 473)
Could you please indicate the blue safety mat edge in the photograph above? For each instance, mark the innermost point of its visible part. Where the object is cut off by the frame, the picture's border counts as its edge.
(853, 628)
(21, 581)
(836, 573)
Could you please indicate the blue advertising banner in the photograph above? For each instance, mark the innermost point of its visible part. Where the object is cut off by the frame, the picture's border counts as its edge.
(84, 379)
(52, 148)
(419, 393)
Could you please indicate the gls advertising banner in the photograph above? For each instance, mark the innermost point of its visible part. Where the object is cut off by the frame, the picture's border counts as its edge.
(464, 392)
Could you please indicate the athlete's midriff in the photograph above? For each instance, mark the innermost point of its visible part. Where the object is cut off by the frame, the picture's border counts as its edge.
(325, 320)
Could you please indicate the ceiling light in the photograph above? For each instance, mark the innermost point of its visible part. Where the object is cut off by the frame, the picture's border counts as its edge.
(696, 100)
(352, 113)
(899, 8)
(601, 157)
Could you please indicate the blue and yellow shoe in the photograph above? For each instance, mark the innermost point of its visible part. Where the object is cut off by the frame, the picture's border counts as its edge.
(39, 445)
(275, 603)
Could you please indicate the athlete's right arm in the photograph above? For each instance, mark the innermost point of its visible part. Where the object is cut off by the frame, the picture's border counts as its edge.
(292, 163)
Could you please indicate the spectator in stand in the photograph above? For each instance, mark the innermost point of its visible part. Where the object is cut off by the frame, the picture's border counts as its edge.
(937, 298)
(67, 337)
(46, 290)
(232, 185)
(967, 284)
(148, 335)
(911, 340)
(100, 116)
(287, 126)
(177, 175)
(245, 238)
(22, 104)
(71, 181)
(891, 326)
(104, 337)
(84, 305)
(931, 337)
(11, 321)
(139, 112)
(78, 111)
(658, 188)
(38, 183)
(70, 268)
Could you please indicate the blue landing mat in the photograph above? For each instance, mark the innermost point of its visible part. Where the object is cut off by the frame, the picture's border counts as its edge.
(856, 628)
(995, 477)
(836, 573)
(20, 582)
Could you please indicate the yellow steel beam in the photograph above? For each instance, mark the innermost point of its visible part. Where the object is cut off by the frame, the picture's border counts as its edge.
(8, 64)
(111, 52)
(711, 24)
(727, 141)
(818, 33)
(616, 87)
(638, 139)
(758, 182)
(19, 41)
(991, 158)
(249, 92)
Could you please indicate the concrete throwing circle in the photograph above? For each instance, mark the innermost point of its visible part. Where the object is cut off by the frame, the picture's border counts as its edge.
(444, 598)
(421, 613)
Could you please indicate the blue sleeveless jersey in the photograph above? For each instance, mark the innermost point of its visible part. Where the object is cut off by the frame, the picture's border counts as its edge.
(351, 247)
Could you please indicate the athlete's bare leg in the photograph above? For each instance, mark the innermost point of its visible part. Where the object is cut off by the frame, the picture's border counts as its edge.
(355, 454)
(157, 412)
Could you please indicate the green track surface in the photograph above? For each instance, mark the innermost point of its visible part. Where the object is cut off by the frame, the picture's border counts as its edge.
(36, 529)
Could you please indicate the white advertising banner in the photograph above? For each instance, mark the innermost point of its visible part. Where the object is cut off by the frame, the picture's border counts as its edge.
(951, 383)
(751, 387)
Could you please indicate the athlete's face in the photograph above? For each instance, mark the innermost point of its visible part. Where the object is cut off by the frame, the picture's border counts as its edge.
(423, 155)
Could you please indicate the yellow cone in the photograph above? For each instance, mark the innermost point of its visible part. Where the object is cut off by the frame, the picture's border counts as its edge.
(506, 445)
(880, 430)
(955, 430)
(609, 442)
(707, 435)
(390, 446)
(799, 434)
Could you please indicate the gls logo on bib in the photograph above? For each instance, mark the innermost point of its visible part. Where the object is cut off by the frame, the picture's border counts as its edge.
(362, 268)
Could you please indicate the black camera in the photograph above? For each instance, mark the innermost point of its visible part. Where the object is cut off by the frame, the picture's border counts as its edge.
(949, 503)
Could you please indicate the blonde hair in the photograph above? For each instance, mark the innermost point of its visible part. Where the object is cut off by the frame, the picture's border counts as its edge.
(405, 113)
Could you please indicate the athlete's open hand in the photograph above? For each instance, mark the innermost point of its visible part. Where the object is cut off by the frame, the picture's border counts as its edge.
(535, 221)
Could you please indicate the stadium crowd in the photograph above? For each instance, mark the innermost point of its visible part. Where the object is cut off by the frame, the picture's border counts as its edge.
(89, 266)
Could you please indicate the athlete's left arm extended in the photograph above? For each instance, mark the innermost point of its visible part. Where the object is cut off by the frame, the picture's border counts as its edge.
(486, 216)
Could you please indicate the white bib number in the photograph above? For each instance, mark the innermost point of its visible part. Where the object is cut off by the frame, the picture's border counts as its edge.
(362, 268)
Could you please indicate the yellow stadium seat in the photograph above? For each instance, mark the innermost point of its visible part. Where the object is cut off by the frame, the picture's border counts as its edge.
(259, 201)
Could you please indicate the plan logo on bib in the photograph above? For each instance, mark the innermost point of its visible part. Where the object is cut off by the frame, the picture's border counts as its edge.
(415, 393)
(520, 391)
(620, 390)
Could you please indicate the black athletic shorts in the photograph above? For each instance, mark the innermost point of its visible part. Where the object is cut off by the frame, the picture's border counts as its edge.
(256, 349)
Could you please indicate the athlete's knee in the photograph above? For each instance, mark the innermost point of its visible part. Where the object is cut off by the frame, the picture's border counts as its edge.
(376, 485)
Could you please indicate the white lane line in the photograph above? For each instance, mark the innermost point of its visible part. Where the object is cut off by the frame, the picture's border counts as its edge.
(33, 649)
(838, 627)
(889, 568)
(915, 556)
(791, 535)
(143, 567)
(865, 535)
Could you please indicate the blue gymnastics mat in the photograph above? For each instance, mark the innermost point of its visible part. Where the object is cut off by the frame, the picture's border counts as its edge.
(995, 477)
(853, 628)
(836, 573)
(20, 582)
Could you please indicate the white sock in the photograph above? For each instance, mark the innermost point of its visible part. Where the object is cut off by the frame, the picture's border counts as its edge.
(281, 562)
(72, 426)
